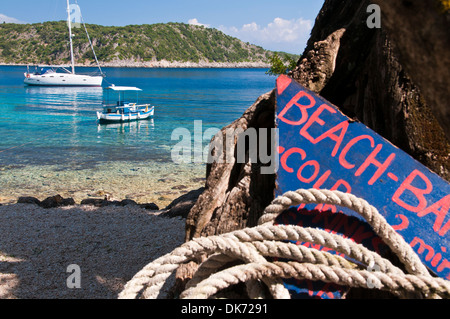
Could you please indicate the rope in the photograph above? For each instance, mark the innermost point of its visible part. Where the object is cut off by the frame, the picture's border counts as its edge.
(379, 224)
(337, 275)
(255, 247)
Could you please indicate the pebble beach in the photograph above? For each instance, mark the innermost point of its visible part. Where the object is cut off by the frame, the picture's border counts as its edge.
(109, 244)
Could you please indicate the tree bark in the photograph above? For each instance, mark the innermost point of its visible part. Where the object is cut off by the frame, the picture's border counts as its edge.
(368, 75)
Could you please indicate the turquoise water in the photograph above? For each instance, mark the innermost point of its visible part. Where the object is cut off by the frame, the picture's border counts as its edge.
(51, 143)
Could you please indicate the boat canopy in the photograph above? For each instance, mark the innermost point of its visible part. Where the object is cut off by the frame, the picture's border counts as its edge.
(123, 88)
(52, 66)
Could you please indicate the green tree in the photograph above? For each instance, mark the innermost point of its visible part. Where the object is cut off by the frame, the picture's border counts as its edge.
(280, 65)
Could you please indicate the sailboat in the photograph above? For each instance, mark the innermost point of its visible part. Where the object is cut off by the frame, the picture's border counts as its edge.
(48, 75)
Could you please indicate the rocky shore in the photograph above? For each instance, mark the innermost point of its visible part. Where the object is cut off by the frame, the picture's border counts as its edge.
(164, 64)
(175, 64)
(178, 207)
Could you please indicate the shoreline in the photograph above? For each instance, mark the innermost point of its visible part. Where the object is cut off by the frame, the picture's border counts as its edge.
(120, 180)
(163, 64)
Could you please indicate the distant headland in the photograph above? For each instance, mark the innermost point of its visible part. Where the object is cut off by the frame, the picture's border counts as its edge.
(168, 45)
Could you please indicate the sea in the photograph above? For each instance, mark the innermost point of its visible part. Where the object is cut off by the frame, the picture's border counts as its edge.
(51, 142)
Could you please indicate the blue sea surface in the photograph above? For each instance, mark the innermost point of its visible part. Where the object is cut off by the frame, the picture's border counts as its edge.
(57, 126)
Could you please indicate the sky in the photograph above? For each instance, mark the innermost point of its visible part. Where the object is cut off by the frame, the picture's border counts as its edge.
(282, 25)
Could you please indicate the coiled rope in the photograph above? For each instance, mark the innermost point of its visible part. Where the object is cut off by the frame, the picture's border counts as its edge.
(254, 246)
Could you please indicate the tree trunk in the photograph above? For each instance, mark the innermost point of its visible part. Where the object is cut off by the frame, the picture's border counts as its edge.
(359, 70)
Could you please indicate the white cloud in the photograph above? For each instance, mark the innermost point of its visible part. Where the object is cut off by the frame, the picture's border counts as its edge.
(4, 18)
(195, 22)
(280, 34)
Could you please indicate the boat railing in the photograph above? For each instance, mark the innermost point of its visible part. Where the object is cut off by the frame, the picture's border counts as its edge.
(126, 105)
(113, 108)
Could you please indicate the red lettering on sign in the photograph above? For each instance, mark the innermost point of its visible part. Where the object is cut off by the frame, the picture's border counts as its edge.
(315, 246)
(403, 225)
(422, 247)
(382, 167)
(302, 108)
(286, 155)
(315, 119)
(440, 209)
(341, 182)
(360, 235)
(322, 180)
(435, 259)
(344, 222)
(320, 293)
(443, 265)
(376, 242)
(337, 138)
(327, 220)
(418, 192)
(316, 166)
(326, 292)
(348, 227)
(349, 145)
(444, 229)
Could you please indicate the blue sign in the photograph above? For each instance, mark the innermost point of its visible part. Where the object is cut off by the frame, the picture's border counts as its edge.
(322, 148)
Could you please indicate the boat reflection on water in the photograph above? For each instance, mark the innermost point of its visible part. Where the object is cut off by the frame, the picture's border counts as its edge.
(134, 127)
(69, 99)
(69, 90)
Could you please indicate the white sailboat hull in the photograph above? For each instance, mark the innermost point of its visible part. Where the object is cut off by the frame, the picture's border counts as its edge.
(62, 79)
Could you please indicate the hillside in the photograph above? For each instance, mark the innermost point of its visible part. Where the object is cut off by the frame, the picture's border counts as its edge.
(48, 43)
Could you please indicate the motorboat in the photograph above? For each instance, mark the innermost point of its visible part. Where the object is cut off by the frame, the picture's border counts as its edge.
(124, 110)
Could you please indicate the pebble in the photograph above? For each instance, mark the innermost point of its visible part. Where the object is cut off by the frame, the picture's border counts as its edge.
(179, 187)
(28, 200)
(56, 201)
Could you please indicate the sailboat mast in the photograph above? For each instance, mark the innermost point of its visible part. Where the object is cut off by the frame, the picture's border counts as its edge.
(69, 23)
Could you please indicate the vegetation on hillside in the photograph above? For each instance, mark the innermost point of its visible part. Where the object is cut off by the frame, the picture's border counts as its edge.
(48, 42)
(281, 64)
